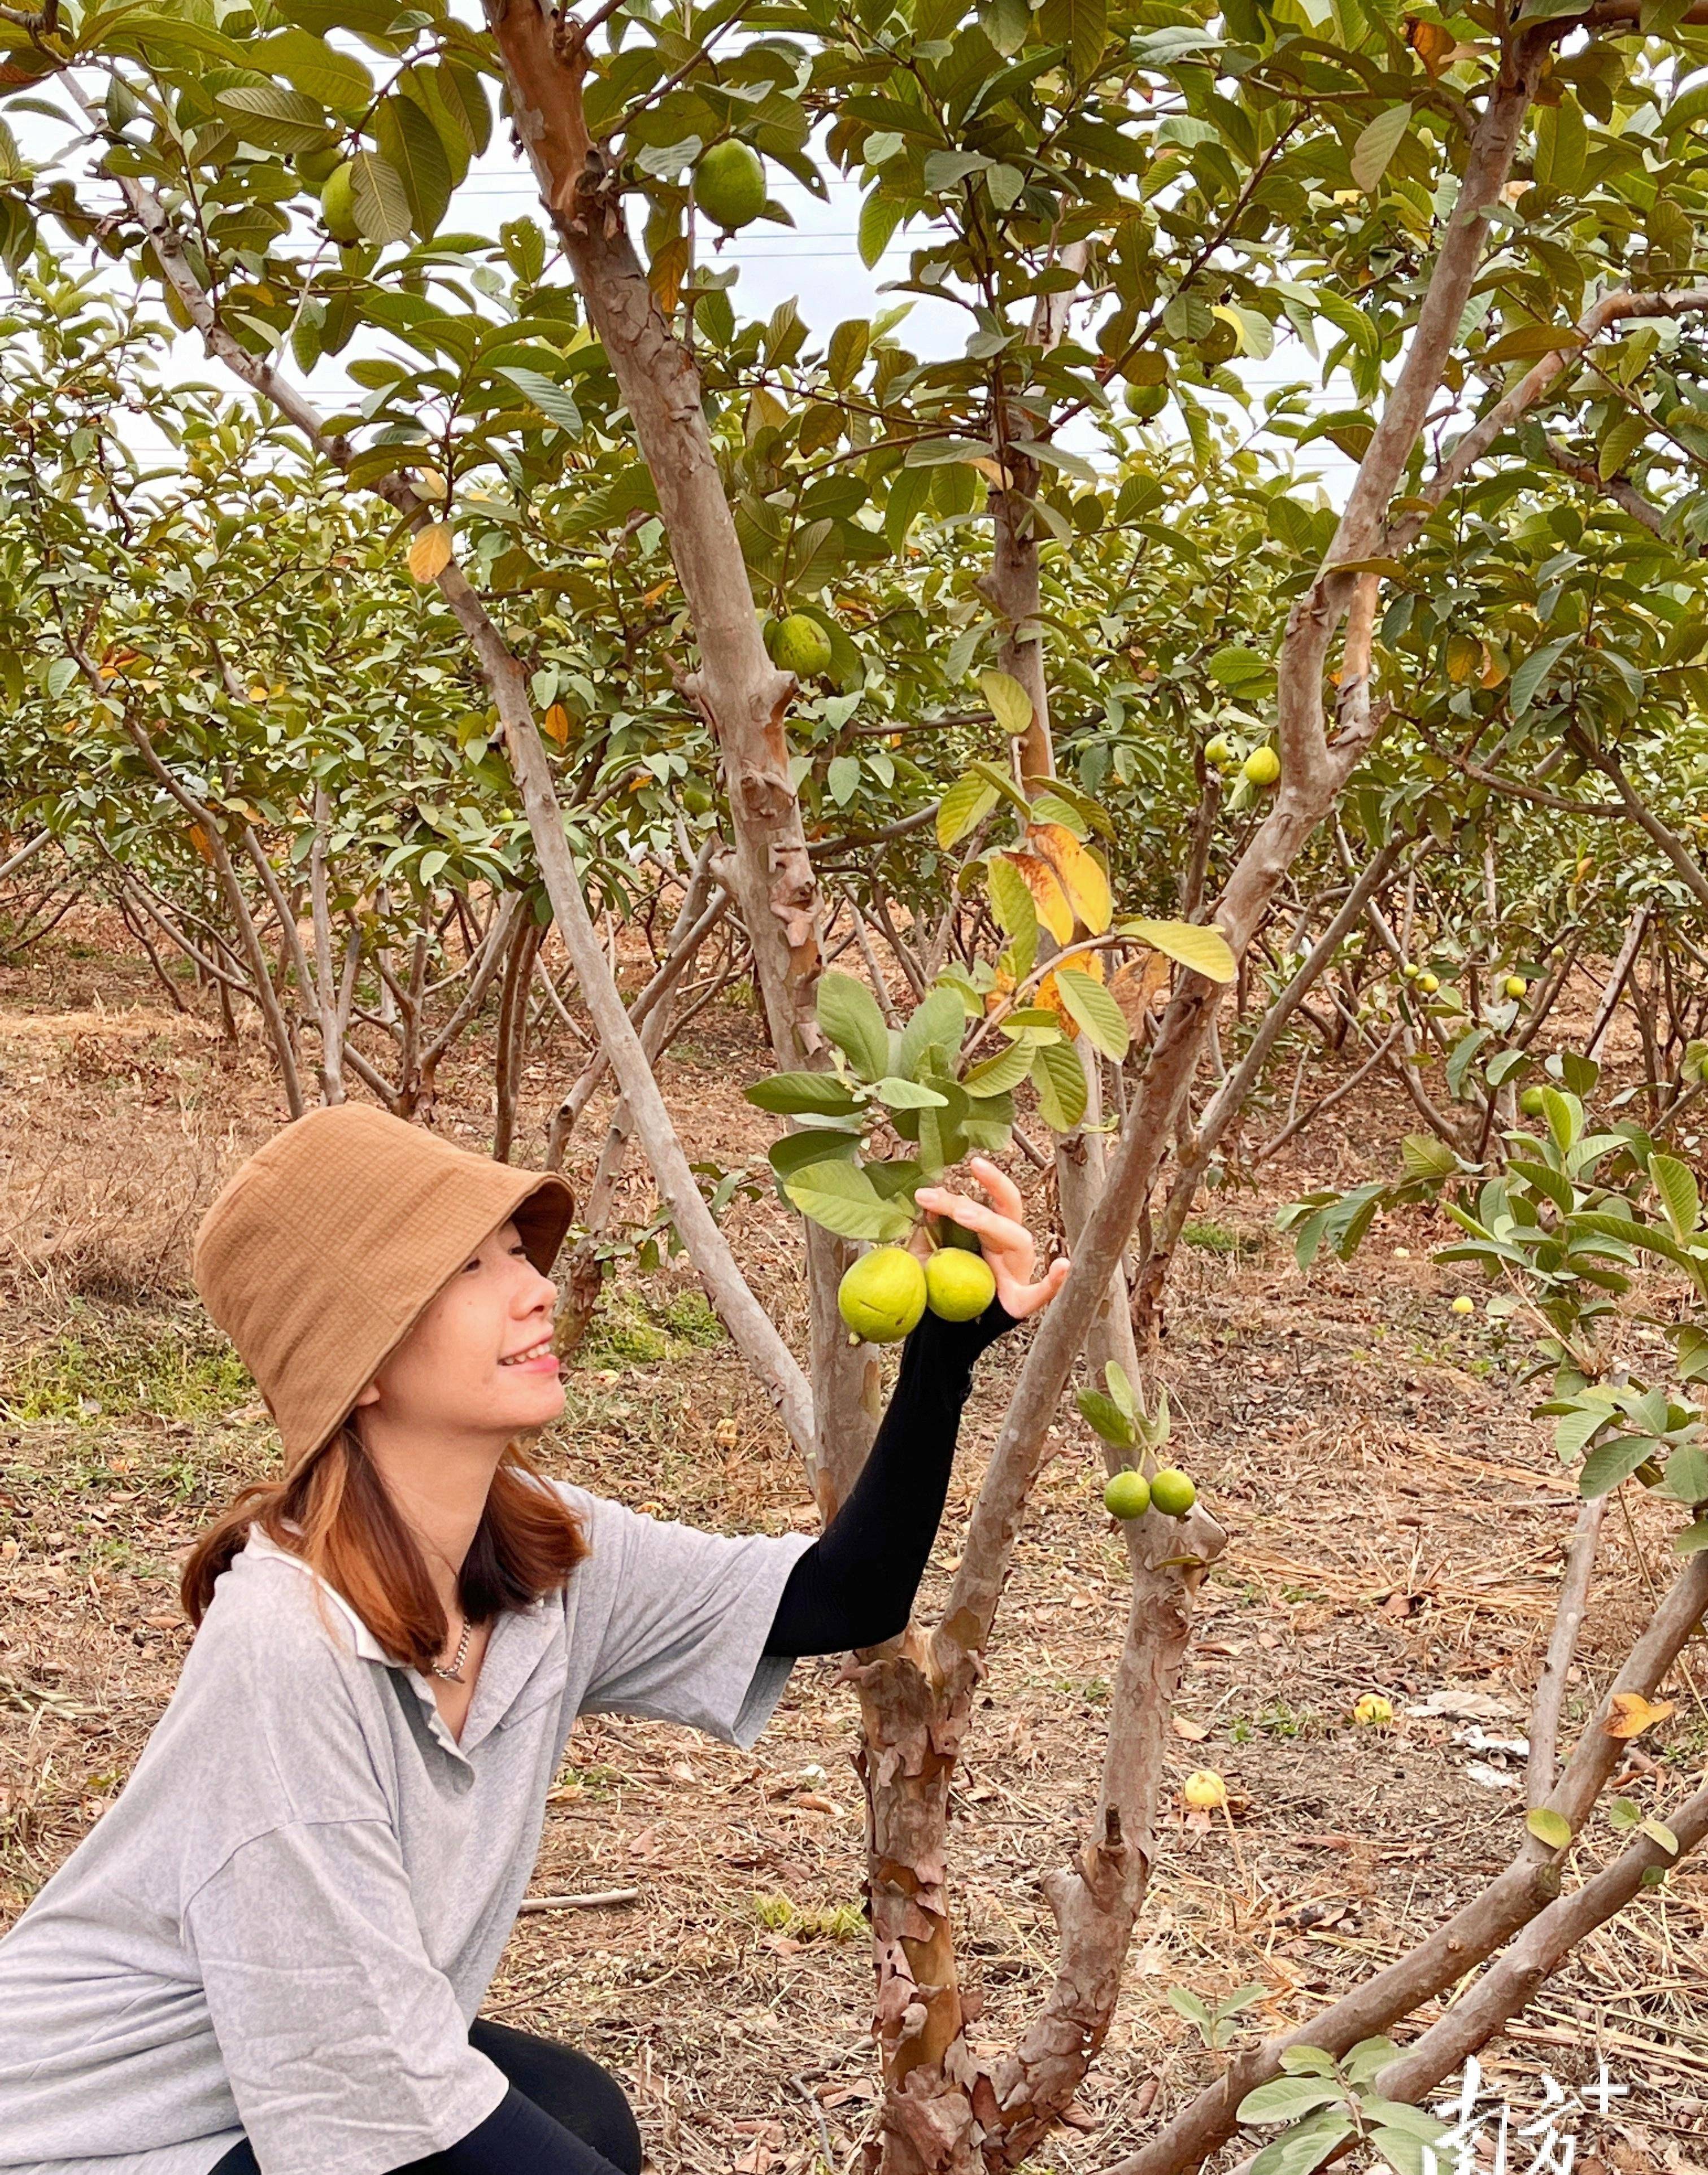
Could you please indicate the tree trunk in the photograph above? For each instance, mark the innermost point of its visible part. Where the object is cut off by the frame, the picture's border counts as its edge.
(743, 696)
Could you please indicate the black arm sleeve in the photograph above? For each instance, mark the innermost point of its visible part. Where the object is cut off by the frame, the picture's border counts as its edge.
(518, 2138)
(855, 1584)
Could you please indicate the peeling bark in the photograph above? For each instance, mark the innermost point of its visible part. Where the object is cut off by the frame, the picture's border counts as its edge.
(742, 695)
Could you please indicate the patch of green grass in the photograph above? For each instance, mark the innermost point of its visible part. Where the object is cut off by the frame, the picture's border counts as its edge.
(631, 1330)
(1211, 1238)
(1277, 1719)
(781, 1914)
(120, 1366)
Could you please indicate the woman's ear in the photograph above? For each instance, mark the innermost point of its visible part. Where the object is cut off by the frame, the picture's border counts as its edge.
(370, 1396)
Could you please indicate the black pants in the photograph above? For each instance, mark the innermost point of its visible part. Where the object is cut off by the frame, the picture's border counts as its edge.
(571, 2088)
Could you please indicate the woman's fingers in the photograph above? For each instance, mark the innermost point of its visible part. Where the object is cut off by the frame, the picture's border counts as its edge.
(1004, 1193)
(1032, 1298)
(937, 1201)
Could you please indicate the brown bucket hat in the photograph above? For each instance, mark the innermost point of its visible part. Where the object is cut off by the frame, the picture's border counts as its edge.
(319, 1254)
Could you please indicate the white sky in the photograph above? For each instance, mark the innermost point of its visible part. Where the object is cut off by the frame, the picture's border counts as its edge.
(817, 262)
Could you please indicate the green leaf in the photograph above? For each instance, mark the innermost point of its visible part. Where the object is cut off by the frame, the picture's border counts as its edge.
(846, 351)
(1459, 1056)
(1363, 2062)
(1610, 1462)
(1658, 1832)
(1121, 1389)
(908, 1094)
(963, 808)
(557, 403)
(1010, 704)
(1184, 2003)
(381, 207)
(998, 1075)
(848, 1014)
(1059, 1079)
(1012, 902)
(794, 1152)
(939, 1020)
(1081, 25)
(1521, 689)
(842, 1198)
(274, 118)
(802, 1094)
(1574, 1430)
(1297, 2150)
(1095, 1011)
(1691, 1345)
(180, 31)
(407, 137)
(842, 777)
(1286, 2099)
(333, 78)
(1105, 1418)
(1307, 2062)
(1200, 948)
(1692, 1538)
(1376, 146)
(1687, 1476)
(1682, 1203)
(1237, 667)
(880, 217)
(1424, 1159)
(1548, 1827)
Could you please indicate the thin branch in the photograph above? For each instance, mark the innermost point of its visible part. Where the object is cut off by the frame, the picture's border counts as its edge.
(1543, 1734)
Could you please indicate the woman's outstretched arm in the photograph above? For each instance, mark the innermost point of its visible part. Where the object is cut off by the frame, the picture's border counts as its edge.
(855, 1585)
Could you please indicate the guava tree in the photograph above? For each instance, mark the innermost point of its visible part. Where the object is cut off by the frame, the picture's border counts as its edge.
(1438, 194)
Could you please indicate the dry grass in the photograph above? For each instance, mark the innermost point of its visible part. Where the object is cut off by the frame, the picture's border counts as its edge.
(1395, 1525)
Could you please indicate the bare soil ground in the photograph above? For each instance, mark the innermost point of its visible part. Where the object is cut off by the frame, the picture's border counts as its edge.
(1396, 1525)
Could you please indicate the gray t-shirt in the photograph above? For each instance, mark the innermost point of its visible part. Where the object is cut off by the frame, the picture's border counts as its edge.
(286, 1923)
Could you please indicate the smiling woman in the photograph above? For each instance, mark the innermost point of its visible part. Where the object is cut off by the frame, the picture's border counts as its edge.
(270, 1952)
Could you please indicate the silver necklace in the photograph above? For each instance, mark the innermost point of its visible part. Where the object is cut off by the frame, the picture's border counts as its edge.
(454, 1674)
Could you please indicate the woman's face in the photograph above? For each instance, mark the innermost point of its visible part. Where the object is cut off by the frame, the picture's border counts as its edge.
(478, 1361)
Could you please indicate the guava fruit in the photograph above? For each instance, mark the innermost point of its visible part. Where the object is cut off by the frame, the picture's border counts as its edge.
(1262, 766)
(883, 1295)
(337, 205)
(1172, 1492)
(1127, 1495)
(798, 645)
(729, 185)
(958, 1285)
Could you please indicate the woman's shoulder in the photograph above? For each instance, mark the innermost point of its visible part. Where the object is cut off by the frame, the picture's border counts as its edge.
(271, 1608)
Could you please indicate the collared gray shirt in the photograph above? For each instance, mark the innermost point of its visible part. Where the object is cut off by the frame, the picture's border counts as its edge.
(285, 1923)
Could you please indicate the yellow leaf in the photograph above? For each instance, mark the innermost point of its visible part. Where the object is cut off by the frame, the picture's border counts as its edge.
(199, 840)
(1632, 1714)
(1464, 657)
(1048, 896)
(1079, 872)
(430, 552)
(1047, 998)
(1010, 704)
(556, 725)
(1137, 986)
(1202, 951)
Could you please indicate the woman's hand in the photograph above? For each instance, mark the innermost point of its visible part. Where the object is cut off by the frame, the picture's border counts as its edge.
(1009, 1247)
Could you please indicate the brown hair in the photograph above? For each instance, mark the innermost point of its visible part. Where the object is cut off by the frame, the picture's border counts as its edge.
(349, 1531)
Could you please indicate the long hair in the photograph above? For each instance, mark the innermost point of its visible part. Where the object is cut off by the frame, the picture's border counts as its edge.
(348, 1530)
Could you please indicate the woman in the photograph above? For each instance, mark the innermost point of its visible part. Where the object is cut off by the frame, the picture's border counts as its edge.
(270, 1954)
